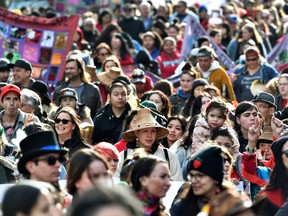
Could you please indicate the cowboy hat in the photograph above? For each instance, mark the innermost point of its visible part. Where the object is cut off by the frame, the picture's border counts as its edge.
(106, 78)
(144, 119)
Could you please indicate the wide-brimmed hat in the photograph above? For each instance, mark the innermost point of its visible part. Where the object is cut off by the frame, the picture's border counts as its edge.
(266, 136)
(38, 144)
(41, 88)
(144, 119)
(106, 78)
(265, 97)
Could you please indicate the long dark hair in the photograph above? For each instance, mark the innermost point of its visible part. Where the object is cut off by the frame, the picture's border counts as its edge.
(124, 48)
(165, 100)
(197, 104)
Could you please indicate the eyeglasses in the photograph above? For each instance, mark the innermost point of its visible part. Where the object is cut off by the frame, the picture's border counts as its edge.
(286, 153)
(51, 160)
(64, 121)
(197, 176)
(251, 59)
(104, 54)
(263, 107)
(227, 159)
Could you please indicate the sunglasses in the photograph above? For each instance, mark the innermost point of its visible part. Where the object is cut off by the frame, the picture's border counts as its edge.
(51, 160)
(64, 121)
(286, 153)
(251, 59)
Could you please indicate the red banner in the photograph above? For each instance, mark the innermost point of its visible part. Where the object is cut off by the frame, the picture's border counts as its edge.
(43, 42)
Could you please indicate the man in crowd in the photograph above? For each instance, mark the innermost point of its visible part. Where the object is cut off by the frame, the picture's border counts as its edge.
(87, 93)
(22, 72)
(4, 70)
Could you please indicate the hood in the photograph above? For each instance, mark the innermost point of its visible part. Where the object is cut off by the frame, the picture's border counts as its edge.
(215, 65)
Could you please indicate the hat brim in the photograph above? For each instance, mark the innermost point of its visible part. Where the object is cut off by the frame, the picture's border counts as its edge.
(105, 79)
(139, 80)
(256, 100)
(161, 132)
(34, 154)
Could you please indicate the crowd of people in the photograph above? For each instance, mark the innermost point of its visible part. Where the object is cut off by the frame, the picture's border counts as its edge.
(120, 141)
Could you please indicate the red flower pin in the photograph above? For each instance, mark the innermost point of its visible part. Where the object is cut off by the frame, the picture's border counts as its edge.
(197, 163)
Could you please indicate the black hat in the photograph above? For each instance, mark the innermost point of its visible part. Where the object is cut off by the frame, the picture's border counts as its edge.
(277, 145)
(38, 144)
(199, 82)
(41, 88)
(209, 161)
(265, 97)
(22, 63)
(4, 64)
(202, 39)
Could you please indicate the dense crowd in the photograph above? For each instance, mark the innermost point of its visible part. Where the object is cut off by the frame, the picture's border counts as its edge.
(119, 140)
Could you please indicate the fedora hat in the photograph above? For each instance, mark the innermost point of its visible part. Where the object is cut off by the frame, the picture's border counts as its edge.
(41, 88)
(106, 78)
(38, 144)
(144, 119)
(265, 97)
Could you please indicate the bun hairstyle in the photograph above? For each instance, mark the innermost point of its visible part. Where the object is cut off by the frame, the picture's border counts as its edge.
(175, 24)
(188, 69)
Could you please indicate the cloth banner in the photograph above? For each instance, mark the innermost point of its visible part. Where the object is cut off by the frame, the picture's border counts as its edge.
(192, 32)
(43, 42)
(278, 56)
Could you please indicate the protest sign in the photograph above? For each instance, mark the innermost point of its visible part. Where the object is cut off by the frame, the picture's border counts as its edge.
(43, 42)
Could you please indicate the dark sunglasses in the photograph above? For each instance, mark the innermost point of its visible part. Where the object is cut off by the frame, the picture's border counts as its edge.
(251, 59)
(64, 121)
(286, 153)
(51, 160)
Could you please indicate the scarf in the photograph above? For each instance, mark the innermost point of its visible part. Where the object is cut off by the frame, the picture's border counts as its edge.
(183, 94)
(150, 202)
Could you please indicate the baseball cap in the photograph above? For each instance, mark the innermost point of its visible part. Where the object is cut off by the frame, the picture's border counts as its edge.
(22, 63)
(138, 75)
(68, 92)
(10, 88)
(4, 64)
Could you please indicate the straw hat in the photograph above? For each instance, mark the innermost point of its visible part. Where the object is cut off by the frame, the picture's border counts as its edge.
(144, 119)
(266, 135)
(106, 78)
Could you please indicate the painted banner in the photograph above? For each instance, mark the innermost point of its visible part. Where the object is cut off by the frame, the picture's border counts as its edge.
(192, 32)
(278, 56)
(43, 42)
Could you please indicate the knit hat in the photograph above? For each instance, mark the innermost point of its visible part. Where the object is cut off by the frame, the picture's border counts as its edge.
(199, 82)
(10, 88)
(277, 146)
(68, 92)
(144, 119)
(209, 161)
(265, 97)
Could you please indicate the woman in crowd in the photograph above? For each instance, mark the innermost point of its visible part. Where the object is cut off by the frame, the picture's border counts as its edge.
(152, 42)
(85, 170)
(110, 153)
(178, 99)
(104, 19)
(173, 31)
(200, 104)
(119, 48)
(146, 133)
(107, 33)
(150, 178)
(168, 58)
(177, 126)
(101, 52)
(281, 100)
(67, 128)
(110, 61)
(206, 182)
(90, 31)
(162, 101)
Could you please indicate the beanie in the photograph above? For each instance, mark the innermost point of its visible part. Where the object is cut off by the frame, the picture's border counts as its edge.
(210, 162)
(278, 145)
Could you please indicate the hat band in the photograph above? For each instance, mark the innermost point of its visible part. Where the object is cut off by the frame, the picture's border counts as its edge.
(54, 147)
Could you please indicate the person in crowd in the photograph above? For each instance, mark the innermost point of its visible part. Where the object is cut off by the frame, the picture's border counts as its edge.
(142, 82)
(145, 132)
(90, 31)
(150, 179)
(120, 49)
(200, 104)
(182, 12)
(159, 26)
(168, 58)
(4, 70)
(266, 106)
(107, 33)
(79, 41)
(204, 41)
(211, 70)
(99, 55)
(129, 19)
(206, 182)
(110, 153)
(216, 36)
(197, 88)
(246, 114)
(203, 15)
(152, 42)
(173, 31)
(102, 201)
(109, 121)
(104, 19)
(22, 72)
(162, 101)
(226, 34)
(281, 99)
(85, 170)
(31, 103)
(165, 86)
(40, 199)
(216, 116)
(110, 61)
(76, 75)
(11, 117)
(178, 99)
(68, 130)
(145, 9)
(252, 70)
(177, 126)
(41, 158)
(213, 91)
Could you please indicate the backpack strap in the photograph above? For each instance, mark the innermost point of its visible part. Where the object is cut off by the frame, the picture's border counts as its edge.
(166, 156)
(125, 154)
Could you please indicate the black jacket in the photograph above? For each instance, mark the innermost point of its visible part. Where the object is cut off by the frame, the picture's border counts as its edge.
(107, 127)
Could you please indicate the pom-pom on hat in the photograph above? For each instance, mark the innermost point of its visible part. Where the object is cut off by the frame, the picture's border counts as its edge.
(209, 161)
